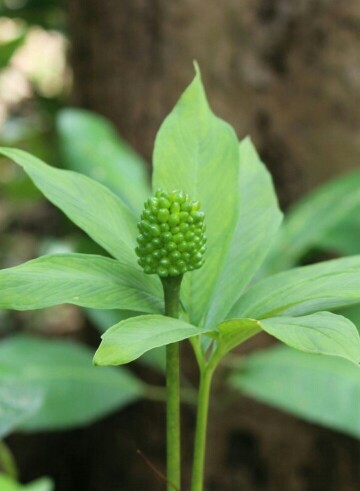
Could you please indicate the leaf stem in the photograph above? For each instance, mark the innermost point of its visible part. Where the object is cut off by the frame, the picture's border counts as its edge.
(171, 286)
(197, 483)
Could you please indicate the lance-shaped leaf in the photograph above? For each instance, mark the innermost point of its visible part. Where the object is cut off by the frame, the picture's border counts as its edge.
(80, 279)
(258, 222)
(90, 145)
(321, 333)
(198, 153)
(318, 220)
(74, 392)
(322, 286)
(90, 205)
(103, 319)
(320, 389)
(129, 339)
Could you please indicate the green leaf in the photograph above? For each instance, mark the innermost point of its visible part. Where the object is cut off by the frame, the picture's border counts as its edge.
(234, 332)
(319, 389)
(74, 392)
(344, 239)
(80, 279)
(18, 402)
(103, 319)
(321, 333)
(90, 145)
(352, 313)
(198, 153)
(9, 484)
(90, 205)
(315, 219)
(258, 222)
(323, 286)
(129, 339)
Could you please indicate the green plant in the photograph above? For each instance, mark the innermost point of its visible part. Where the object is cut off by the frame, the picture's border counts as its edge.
(196, 153)
(325, 222)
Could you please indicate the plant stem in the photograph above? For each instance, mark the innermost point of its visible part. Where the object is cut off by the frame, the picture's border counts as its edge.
(197, 483)
(171, 287)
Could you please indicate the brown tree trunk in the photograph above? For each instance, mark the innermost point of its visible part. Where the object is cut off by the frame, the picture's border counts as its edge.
(285, 72)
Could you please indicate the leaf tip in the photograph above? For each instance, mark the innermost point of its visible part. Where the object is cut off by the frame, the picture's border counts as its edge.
(95, 360)
(197, 69)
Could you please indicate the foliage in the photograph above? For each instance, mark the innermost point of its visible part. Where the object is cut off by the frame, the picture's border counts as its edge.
(224, 303)
(68, 391)
(321, 389)
(108, 220)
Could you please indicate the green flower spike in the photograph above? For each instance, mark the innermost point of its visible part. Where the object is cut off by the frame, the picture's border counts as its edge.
(172, 234)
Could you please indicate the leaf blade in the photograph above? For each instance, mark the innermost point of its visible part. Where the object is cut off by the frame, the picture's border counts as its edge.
(80, 279)
(90, 145)
(90, 205)
(317, 220)
(304, 290)
(131, 338)
(299, 384)
(198, 153)
(259, 220)
(321, 333)
(63, 372)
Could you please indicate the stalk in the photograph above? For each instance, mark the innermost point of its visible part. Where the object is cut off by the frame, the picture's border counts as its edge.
(197, 483)
(171, 287)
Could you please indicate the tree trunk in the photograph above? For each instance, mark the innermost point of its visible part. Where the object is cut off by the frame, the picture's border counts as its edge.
(288, 74)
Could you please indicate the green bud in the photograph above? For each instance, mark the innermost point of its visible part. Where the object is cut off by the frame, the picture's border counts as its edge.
(172, 234)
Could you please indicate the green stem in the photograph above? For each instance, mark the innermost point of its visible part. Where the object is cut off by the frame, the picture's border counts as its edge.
(197, 483)
(156, 393)
(7, 461)
(171, 287)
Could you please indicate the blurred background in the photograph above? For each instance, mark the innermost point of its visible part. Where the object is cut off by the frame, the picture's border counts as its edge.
(288, 74)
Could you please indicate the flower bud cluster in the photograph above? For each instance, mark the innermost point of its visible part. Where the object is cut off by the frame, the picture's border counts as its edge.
(172, 234)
